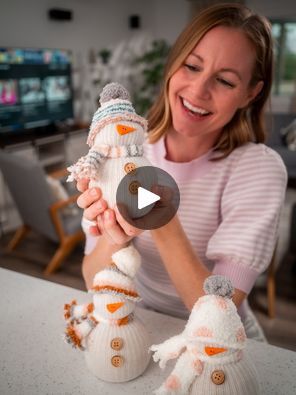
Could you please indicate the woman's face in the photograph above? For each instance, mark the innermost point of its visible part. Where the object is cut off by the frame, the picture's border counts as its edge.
(206, 91)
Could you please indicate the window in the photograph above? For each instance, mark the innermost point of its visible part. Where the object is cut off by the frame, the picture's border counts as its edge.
(284, 34)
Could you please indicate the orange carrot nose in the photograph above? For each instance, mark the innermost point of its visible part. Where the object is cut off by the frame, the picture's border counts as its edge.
(214, 350)
(123, 129)
(112, 307)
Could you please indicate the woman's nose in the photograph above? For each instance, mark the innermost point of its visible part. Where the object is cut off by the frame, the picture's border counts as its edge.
(201, 88)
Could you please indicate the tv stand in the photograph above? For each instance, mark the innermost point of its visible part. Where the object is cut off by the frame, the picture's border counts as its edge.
(52, 150)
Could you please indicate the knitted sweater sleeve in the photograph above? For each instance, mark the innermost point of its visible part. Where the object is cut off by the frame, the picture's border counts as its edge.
(243, 244)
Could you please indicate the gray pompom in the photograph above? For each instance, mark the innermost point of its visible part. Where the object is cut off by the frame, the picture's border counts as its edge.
(218, 285)
(113, 91)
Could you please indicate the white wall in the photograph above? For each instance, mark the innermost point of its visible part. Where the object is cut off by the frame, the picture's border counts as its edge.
(96, 23)
(274, 8)
(100, 23)
(171, 16)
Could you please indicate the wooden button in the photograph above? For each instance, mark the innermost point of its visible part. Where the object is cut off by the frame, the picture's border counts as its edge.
(218, 377)
(117, 361)
(133, 187)
(117, 343)
(130, 168)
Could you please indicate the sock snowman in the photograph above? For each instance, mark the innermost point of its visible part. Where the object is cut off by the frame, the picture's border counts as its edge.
(116, 140)
(210, 349)
(114, 340)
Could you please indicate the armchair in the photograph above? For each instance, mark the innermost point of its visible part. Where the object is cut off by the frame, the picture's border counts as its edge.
(39, 209)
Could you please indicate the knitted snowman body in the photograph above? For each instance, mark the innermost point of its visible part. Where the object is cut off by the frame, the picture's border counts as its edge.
(236, 377)
(114, 340)
(116, 140)
(210, 349)
(117, 351)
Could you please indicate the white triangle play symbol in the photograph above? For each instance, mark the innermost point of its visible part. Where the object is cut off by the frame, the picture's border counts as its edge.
(145, 198)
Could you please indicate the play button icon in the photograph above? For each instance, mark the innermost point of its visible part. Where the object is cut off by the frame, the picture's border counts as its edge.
(145, 198)
(148, 197)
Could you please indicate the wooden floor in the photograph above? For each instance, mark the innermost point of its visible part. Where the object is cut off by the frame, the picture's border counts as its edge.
(33, 254)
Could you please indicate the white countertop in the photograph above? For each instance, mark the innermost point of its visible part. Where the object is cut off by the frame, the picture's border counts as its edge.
(35, 360)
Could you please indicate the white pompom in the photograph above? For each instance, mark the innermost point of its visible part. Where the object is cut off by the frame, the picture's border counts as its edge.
(128, 260)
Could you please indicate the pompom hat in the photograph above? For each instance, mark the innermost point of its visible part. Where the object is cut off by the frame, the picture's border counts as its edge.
(118, 278)
(216, 320)
(115, 107)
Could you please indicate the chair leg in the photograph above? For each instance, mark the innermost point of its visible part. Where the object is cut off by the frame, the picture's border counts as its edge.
(63, 251)
(271, 288)
(18, 237)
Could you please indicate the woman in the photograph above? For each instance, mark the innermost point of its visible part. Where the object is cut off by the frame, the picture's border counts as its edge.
(206, 130)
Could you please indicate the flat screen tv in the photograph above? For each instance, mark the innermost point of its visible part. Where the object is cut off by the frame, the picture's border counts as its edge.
(35, 90)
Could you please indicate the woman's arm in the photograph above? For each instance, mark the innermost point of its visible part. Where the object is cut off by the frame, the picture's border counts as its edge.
(184, 267)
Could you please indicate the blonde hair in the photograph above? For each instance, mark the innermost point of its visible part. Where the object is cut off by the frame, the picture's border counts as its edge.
(247, 124)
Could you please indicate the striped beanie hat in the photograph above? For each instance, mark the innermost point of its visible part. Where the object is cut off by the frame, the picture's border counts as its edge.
(118, 278)
(115, 107)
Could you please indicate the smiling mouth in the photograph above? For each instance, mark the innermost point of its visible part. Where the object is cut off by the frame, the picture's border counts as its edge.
(197, 111)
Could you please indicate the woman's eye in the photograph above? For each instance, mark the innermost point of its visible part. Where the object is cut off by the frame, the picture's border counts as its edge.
(225, 82)
(191, 67)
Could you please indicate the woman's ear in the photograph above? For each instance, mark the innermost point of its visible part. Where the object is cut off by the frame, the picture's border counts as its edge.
(253, 93)
(256, 90)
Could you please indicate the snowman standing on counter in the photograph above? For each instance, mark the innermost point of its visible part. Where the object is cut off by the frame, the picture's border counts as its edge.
(116, 140)
(210, 353)
(114, 341)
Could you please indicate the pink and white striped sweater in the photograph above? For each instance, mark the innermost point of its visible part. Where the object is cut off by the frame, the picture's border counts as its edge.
(229, 210)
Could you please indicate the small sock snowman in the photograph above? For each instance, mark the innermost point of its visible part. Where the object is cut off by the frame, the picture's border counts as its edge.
(210, 349)
(115, 342)
(116, 140)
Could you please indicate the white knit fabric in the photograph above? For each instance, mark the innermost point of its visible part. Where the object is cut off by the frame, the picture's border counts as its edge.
(214, 319)
(119, 279)
(128, 260)
(240, 379)
(213, 339)
(134, 353)
(109, 277)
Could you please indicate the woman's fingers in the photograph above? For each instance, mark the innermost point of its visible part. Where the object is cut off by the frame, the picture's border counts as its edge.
(82, 184)
(100, 224)
(126, 226)
(88, 197)
(95, 209)
(94, 231)
(115, 228)
(112, 229)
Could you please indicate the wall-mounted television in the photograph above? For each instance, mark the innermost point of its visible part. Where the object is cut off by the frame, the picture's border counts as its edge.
(35, 90)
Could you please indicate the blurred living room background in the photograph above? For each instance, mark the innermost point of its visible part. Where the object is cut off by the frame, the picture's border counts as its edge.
(55, 57)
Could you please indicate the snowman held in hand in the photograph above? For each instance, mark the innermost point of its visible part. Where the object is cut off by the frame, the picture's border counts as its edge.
(116, 138)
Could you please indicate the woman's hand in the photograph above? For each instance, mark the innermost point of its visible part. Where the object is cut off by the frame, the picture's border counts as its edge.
(115, 228)
(106, 221)
(93, 204)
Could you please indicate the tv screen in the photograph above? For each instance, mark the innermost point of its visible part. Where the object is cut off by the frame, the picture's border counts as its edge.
(35, 88)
